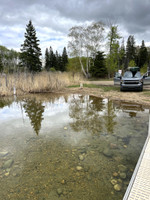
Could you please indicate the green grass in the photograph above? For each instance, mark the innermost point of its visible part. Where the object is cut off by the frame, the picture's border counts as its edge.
(73, 86)
(146, 93)
(104, 88)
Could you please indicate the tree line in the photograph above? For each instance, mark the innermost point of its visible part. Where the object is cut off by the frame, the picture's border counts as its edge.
(29, 57)
(86, 55)
(55, 61)
(85, 41)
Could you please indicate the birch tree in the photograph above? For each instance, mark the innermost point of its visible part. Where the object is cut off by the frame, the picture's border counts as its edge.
(85, 41)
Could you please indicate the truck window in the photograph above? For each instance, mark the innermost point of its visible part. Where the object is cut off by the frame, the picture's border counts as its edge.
(128, 74)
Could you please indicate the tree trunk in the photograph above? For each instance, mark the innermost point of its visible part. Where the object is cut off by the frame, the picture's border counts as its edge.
(84, 72)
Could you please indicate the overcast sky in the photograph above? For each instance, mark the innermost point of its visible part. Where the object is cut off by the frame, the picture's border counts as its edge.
(52, 19)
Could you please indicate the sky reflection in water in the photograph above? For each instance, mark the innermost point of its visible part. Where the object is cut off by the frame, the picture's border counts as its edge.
(53, 133)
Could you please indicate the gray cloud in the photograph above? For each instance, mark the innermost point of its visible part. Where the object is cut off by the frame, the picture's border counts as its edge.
(54, 18)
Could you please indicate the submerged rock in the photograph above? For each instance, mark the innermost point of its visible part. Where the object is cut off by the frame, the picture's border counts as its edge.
(81, 157)
(107, 152)
(59, 191)
(113, 182)
(79, 168)
(122, 168)
(117, 187)
(3, 153)
(8, 164)
(113, 146)
(115, 174)
(123, 175)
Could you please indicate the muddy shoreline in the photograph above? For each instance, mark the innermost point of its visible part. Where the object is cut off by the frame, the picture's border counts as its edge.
(132, 97)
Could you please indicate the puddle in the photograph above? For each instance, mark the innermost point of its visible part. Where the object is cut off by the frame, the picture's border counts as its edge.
(68, 147)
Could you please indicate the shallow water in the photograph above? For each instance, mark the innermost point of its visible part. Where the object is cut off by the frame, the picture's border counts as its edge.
(68, 147)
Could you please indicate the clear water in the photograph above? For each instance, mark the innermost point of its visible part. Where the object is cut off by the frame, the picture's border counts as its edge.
(68, 147)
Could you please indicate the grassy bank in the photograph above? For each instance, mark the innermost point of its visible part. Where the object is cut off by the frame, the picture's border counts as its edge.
(104, 88)
(22, 83)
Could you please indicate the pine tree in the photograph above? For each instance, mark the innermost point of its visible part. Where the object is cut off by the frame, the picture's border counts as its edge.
(51, 58)
(131, 49)
(30, 51)
(143, 55)
(47, 60)
(1, 65)
(57, 66)
(122, 55)
(64, 59)
(99, 67)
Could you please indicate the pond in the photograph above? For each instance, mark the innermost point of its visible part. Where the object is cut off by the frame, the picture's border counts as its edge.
(75, 147)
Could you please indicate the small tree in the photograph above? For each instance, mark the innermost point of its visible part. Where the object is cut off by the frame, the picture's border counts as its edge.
(99, 66)
(47, 61)
(132, 63)
(1, 65)
(30, 51)
(112, 61)
(64, 59)
(131, 49)
(143, 55)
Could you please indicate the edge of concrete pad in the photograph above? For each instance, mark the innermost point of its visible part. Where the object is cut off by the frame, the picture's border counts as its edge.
(127, 193)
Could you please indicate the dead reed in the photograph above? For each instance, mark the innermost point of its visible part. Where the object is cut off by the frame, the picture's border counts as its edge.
(22, 83)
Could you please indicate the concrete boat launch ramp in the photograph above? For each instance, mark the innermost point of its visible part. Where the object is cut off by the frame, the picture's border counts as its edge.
(139, 186)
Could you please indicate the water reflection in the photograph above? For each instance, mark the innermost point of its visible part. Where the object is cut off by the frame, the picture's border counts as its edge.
(92, 114)
(98, 164)
(85, 114)
(109, 117)
(5, 102)
(34, 111)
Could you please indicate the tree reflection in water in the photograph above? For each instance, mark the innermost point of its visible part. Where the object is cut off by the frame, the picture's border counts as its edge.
(109, 117)
(88, 113)
(34, 110)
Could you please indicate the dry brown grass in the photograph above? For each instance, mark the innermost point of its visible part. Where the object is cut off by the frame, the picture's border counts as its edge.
(36, 83)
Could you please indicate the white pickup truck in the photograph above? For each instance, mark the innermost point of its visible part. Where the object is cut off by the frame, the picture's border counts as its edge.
(132, 79)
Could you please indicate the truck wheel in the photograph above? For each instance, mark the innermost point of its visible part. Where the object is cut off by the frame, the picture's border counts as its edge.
(141, 88)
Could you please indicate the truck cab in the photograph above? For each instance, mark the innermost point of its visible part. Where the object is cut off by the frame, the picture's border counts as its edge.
(132, 79)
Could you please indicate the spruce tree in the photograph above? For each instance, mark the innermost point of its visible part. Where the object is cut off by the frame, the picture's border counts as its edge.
(130, 49)
(51, 58)
(30, 51)
(1, 65)
(99, 67)
(47, 60)
(143, 55)
(64, 59)
(57, 66)
(122, 55)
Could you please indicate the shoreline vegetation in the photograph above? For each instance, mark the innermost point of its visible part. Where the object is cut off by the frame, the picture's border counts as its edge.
(43, 82)
(57, 82)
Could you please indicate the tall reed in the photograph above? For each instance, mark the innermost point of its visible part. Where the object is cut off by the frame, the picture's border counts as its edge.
(20, 83)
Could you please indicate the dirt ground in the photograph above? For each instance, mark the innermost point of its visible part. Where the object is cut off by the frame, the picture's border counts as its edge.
(135, 97)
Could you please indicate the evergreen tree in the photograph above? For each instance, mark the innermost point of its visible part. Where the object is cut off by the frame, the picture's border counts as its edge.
(99, 67)
(57, 65)
(113, 37)
(51, 58)
(64, 59)
(143, 55)
(47, 60)
(61, 64)
(130, 49)
(112, 61)
(1, 65)
(122, 55)
(30, 51)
